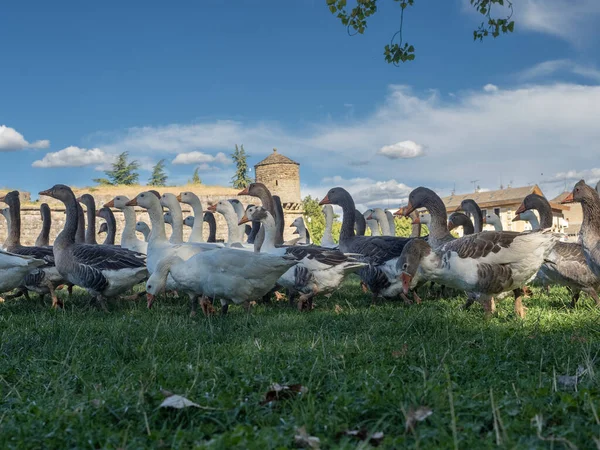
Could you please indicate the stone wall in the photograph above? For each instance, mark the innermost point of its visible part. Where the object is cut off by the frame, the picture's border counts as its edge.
(31, 221)
(282, 180)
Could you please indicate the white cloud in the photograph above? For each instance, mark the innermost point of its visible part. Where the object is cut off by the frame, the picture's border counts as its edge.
(12, 140)
(570, 177)
(547, 68)
(75, 157)
(201, 158)
(490, 88)
(404, 150)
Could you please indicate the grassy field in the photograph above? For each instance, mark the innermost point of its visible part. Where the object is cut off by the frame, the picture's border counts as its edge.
(81, 378)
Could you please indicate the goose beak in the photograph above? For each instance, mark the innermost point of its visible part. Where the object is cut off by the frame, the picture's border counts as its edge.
(325, 201)
(451, 225)
(78, 199)
(98, 213)
(243, 220)
(110, 204)
(521, 209)
(400, 212)
(244, 192)
(291, 225)
(408, 209)
(47, 192)
(370, 217)
(568, 199)
(132, 202)
(295, 232)
(212, 208)
(416, 221)
(149, 300)
(4, 196)
(484, 219)
(517, 218)
(178, 198)
(406, 279)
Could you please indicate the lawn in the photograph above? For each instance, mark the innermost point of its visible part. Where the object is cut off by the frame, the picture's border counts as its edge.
(83, 378)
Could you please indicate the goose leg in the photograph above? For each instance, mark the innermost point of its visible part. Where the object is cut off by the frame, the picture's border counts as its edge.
(416, 297)
(520, 309)
(405, 299)
(489, 305)
(56, 303)
(224, 307)
(575, 297)
(364, 287)
(207, 307)
(26, 294)
(102, 302)
(292, 294)
(193, 305)
(133, 297)
(70, 290)
(470, 300)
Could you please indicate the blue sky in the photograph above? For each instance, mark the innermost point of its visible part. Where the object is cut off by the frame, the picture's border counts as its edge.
(190, 79)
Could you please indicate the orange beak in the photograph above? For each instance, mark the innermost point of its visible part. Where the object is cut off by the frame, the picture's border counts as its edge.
(517, 217)
(110, 204)
(325, 201)
(400, 212)
(179, 198)
(4, 197)
(568, 199)
(212, 208)
(149, 300)
(521, 209)
(408, 209)
(46, 192)
(132, 202)
(370, 217)
(244, 192)
(291, 225)
(243, 220)
(416, 221)
(406, 279)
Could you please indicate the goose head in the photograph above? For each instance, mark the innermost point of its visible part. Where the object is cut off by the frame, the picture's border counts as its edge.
(492, 219)
(103, 213)
(169, 200)
(158, 280)
(254, 213)
(298, 222)
(59, 192)
(189, 221)
(582, 193)
(187, 197)
(254, 189)
(525, 215)
(419, 198)
(168, 218)
(410, 259)
(103, 228)
(145, 200)
(11, 198)
(224, 207)
(119, 202)
(335, 196)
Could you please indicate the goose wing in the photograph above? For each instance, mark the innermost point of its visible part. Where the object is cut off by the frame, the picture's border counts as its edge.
(324, 256)
(44, 253)
(482, 244)
(376, 249)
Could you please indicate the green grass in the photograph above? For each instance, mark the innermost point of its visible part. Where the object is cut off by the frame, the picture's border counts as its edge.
(82, 378)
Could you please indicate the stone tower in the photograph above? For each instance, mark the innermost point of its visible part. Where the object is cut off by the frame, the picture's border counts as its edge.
(282, 176)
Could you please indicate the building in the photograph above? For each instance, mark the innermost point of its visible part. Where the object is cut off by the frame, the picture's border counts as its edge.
(573, 216)
(504, 203)
(281, 176)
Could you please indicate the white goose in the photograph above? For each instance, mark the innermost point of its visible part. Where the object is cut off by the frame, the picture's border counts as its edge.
(226, 209)
(321, 270)
(129, 239)
(142, 227)
(14, 268)
(371, 223)
(301, 230)
(327, 239)
(170, 201)
(189, 198)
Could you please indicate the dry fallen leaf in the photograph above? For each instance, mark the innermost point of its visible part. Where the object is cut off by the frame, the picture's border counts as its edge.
(278, 391)
(400, 353)
(177, 402)
(417, 415)
(338, 309)
(302, 439)
(363, 435)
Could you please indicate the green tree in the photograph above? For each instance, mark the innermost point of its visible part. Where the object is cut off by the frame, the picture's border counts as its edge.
(241, 179)
(314, 218)
(123, 172)
(195, 177)
(158, 177)
(397, 50)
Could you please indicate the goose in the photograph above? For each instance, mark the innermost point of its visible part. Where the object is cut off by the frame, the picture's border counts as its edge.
(111, 223)
(170, 202)
(80, 233)
(6, 214)
(391, 222)
(371, 223)
(320, 271)
(168, 219)
(482, 264)
(260, 191)
(189, 198)
(380, 252)
(301, 230)
(415, 227)
(14, 268)
(209, 218)
(327, 239)
(225, 208)
(231, 275)
(239, 210)
(458, 219)
(254, 230)
(43, 239)
(90, 205)
(472, 209)
(590, 228)
(360, 224)
(129, 239)
(142, 227)
(104, 271)
(189, 221)
(528, 216)
(380, 217)
(493, 219)
(44, 279)
(103, 229)
(566, 264)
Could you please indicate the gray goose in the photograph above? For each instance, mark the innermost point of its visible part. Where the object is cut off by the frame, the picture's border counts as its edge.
(43, 239)
(90, 206)
(590, 228)
(111, 224)
(6, 214)
(260, 191)
(43, 280)
(209, 218)
(105, 271)
(471, 207)
(103, 229)
(566, 264)
(482, 264)
(458, 219)
(142, 227)
(239, 211)
(360, 224)
(380, 252)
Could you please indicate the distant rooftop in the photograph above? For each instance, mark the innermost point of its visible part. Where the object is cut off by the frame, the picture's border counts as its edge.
(276, 158)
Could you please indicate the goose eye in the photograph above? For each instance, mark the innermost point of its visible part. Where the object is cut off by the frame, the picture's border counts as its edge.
(141, 195)
(149, 286)
(404, 266)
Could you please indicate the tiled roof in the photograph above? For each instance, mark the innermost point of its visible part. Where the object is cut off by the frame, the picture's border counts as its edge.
(276, 158)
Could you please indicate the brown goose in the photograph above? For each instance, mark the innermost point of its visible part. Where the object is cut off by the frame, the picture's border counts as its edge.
(483, 264)
(103, 270)
(566, 264)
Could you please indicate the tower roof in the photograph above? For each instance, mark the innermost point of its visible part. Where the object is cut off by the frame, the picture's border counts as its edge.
(275, 158)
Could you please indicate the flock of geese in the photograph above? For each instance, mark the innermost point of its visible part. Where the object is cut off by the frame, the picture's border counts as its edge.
(255, 263)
